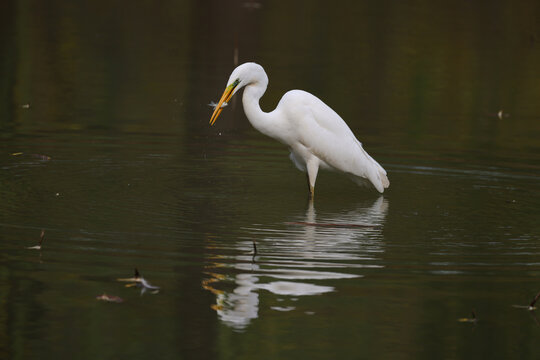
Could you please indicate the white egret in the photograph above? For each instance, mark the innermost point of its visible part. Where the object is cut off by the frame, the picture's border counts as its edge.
(315, 134)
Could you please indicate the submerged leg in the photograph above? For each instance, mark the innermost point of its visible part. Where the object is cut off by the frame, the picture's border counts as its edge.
(312, 168)
(311, 188)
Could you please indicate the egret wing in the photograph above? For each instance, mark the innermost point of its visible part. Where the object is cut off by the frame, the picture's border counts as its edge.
(324, 134)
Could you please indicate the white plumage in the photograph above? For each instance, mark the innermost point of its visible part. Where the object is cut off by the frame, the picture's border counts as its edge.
(315, 134)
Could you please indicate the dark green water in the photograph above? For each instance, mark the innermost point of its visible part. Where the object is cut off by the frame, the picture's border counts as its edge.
(108, 103)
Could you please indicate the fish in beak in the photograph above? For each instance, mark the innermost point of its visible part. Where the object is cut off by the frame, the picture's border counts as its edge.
(227, 95)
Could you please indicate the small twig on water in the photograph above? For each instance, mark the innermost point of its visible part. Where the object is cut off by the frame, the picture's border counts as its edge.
(531, 306)
(38, 246)
(472, 319)
(139, 281)
(109, 298)
(254, 251)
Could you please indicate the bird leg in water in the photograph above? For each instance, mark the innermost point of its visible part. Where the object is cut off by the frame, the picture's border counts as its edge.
(311, 189)
(311, 192)
(312, 168)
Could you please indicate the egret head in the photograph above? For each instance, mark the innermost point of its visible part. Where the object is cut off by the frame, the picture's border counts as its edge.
(245, 74)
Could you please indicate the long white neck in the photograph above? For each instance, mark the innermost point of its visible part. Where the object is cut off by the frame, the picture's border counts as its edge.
(262, 121)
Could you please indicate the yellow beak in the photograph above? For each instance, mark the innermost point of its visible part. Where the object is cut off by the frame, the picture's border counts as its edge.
(227, 95)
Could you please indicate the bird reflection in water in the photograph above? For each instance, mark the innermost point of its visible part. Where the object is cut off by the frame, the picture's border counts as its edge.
(325, 249)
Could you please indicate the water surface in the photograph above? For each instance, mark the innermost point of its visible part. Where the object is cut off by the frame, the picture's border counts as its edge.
(121, 169)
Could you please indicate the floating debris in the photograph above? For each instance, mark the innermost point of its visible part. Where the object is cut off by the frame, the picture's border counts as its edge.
(109, 298)
(214, 105)
(36, 156)
(472, 319)
(499, 114)
(41, 157)
(138, 281)
(531, 306)
(38, 246)
(135, 278)
(26, 106)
